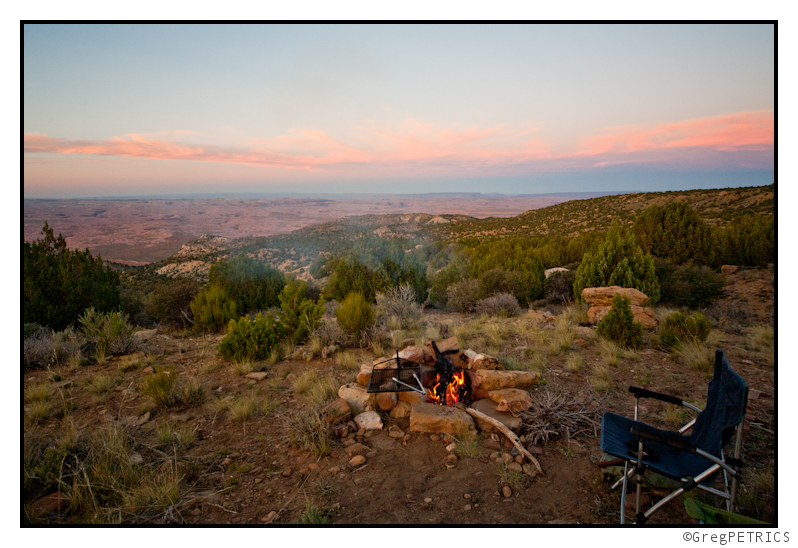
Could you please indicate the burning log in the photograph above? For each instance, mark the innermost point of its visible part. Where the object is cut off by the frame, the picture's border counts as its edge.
(507, 432)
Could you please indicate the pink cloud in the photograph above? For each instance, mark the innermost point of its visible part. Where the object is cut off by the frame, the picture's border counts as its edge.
(751, 130)
(415, 145)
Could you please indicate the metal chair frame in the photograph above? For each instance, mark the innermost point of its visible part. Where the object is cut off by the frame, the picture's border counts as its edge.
(728, 467)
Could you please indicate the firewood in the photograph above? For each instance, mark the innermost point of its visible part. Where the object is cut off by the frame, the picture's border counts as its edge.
(507, 432)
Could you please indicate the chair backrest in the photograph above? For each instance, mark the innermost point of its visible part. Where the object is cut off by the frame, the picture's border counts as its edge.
(727, 398)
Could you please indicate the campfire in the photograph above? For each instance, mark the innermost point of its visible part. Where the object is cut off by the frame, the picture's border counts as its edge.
(449, 387)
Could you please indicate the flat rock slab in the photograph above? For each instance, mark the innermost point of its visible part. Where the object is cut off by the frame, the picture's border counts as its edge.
(369, 421)
(258, 375)
(489, 408)
(602, 296)
(356, 396)
(487, 380)
(439, 419)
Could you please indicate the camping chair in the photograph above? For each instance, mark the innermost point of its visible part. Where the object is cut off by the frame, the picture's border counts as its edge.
(693, 459)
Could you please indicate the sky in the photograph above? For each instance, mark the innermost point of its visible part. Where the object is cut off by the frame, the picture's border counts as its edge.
(125, 110)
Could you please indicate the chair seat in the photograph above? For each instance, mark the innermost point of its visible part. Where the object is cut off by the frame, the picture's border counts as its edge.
(617, 440)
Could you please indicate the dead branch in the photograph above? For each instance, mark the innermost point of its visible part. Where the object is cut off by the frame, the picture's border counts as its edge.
(507, 432)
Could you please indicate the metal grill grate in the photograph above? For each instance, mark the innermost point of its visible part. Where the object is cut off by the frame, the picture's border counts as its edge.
(382, 380)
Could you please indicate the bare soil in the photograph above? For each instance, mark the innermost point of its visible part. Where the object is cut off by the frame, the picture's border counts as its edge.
(238, 472)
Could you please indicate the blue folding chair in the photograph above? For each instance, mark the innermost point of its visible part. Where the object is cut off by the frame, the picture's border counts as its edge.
(693, 459)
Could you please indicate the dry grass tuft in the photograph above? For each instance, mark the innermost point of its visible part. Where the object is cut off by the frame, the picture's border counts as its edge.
(243, 408)
(243, 368)
(38, 392)
(601, 378)
(573, 362)
(348, 360)
(697, 356)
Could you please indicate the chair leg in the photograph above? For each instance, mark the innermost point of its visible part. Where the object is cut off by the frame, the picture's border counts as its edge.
(639, 477)
(623, 491)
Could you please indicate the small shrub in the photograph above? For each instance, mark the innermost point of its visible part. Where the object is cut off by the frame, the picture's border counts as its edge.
(251, 340)
(100, 384)
(110, 332)
(399, 304)
(619, 325)
(170, 302)
(298, 314)
(328, 332)
(38, 392)
(355, 314)
(212, 309)
(313, 516)
(500, 304)
(679, 327)
(192, 392)
(688, 285)
(559, 287)
(39, 410)
(308, 429)
(463, 296)
(159, 387)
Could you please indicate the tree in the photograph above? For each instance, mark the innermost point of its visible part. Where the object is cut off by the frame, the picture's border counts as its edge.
(252, 284)
(212, 309)
(60, 283)
(299, 315)
(675, 232)
(619, 261)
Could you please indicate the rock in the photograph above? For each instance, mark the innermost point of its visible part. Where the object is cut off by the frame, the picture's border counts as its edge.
(427, 500)
(540, 317)
(467, 507)
(290, 378)
(328, 351)
(495, 380)
(451, 458)
(395, 432)
(136, 458)
(148, 369)
(451, 447)
(268, 518)
(51, 503)
(448, 344)
(143, 419)
(337, 412)
(434, 438)
(371, 454)
(548, 272)
(333, 470)
(357, 449)
(145, 334)
(507, 458)
(287, 473)
(728, 269)
(357, 460)
(227, 461)
(406, 438)
(258, 375)
(489, 408)
(196, 511)
(431, 418)
(483, 361)
(642, 315)
(511, 400)
(255, 471)
(529, 470)
(583, 332)
(492, 444)
(386, 400)
(515, 467)
(602, 296)
(401, 411)
(507, 492)
(412, 353)
(356, 396)
(369, 421)
(519, 459)
(410, 396)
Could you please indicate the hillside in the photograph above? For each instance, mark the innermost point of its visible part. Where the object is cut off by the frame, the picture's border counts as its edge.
(294, 252)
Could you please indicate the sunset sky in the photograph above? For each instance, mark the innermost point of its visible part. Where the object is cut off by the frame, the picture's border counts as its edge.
(520, 109)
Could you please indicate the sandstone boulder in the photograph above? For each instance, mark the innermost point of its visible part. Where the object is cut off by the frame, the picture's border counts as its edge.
(337, 412)
(145, 334)
(642, 315)
(412, 353)
(439, 419)
(540, 317)
(602, 296)
(483, 361)
(728, 269)
(401, 411)
(356, 396)
(494, 380)
(368, 421)
(386, 400)
(489, 408)
(513, 400)
(410, 396)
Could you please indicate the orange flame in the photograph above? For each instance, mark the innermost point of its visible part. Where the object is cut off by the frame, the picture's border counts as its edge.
(454, 390)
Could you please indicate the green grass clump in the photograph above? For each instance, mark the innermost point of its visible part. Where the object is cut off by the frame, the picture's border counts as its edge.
(679, 328)
(243, 408)
(159, 387)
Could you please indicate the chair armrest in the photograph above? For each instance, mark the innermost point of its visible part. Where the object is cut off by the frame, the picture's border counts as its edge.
(646, 432)
(643, 393)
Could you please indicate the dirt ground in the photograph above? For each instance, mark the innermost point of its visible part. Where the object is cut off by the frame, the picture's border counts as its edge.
(239, 472)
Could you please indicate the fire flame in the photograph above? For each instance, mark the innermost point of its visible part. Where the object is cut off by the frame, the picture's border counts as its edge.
(453, 392)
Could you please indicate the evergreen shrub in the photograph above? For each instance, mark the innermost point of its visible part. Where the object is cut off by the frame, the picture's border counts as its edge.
(355, 314)
(619, 326)
(248, 339)
(679, 328)
(212, 309)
